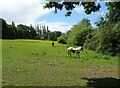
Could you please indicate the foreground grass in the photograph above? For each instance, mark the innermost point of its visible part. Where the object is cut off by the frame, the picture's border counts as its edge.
(37, 63)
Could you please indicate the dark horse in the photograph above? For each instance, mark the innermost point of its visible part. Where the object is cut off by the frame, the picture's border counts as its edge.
(52, 43)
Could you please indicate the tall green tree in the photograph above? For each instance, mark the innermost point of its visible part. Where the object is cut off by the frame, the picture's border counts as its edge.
(78, 33)
(114, 11)
(25, 32)
(12, 31)
(47, 32)
(32, 32)
(44, 32)
(109, 39)
(5, 29)
(52, 36)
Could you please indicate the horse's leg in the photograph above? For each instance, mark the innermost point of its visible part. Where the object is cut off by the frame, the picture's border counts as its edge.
(68, 53)
(76, 54)
(79, 55)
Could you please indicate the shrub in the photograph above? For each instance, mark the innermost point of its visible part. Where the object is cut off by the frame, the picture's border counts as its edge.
(92, 40)
(81, 37)
(62, 39)
(110, 41)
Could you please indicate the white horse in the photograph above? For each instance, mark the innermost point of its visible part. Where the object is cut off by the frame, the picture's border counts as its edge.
(78, 50)
(74, 50)
(70, 50)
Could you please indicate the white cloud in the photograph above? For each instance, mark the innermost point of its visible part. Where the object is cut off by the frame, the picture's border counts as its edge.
(23, 11)
(57, 26)
(42, 22)
(28, 12)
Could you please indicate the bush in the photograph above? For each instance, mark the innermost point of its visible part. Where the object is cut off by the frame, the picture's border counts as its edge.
(62, 39)
(105, 41)
(78, 32)
(110, 41)
(92, 40)
(81, 37)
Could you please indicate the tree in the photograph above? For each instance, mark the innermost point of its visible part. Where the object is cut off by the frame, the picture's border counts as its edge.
(93, 40)
(106, 40)
(79, 31)
(25, 32)
(109, 35)
(81, 37)
(12, 32)
(58, 33)
(102, 23)
(112, 17)
(44, 32)
(13, 24)
(47, 32)
(52, 36)
(114, 11)
(62, 39)
(5, 29)
(20, 31)
(32, 32)
(69, 6)
(110, 40)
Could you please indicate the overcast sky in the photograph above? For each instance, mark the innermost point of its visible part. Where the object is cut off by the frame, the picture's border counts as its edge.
(31, 12)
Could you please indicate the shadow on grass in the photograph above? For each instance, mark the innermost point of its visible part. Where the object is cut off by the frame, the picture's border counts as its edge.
(106, 82)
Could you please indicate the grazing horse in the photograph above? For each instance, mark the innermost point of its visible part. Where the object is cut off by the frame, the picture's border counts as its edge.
(52, 43)
(74, 50)
(78, 50)
(70, 50)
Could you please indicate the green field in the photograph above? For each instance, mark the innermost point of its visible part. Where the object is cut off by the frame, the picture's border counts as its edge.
(37, 63)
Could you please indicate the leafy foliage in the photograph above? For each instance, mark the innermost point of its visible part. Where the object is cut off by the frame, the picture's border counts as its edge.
(106, 40)
(92, 40)
(27, 32)
(69, 6)
(62, 39)
(114, 11)
(81, 37)
(54, 35)
(110, 40)
(21, 31)
(78, 33)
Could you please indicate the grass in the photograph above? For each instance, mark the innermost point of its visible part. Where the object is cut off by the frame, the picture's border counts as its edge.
(37, 63)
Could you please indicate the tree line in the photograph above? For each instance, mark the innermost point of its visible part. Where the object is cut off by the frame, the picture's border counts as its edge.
(104, 39)
(10, 31)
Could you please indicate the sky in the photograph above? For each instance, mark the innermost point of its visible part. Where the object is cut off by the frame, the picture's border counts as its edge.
(32, 12)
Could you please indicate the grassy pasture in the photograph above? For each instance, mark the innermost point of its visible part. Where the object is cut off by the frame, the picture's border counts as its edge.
(37, 63)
